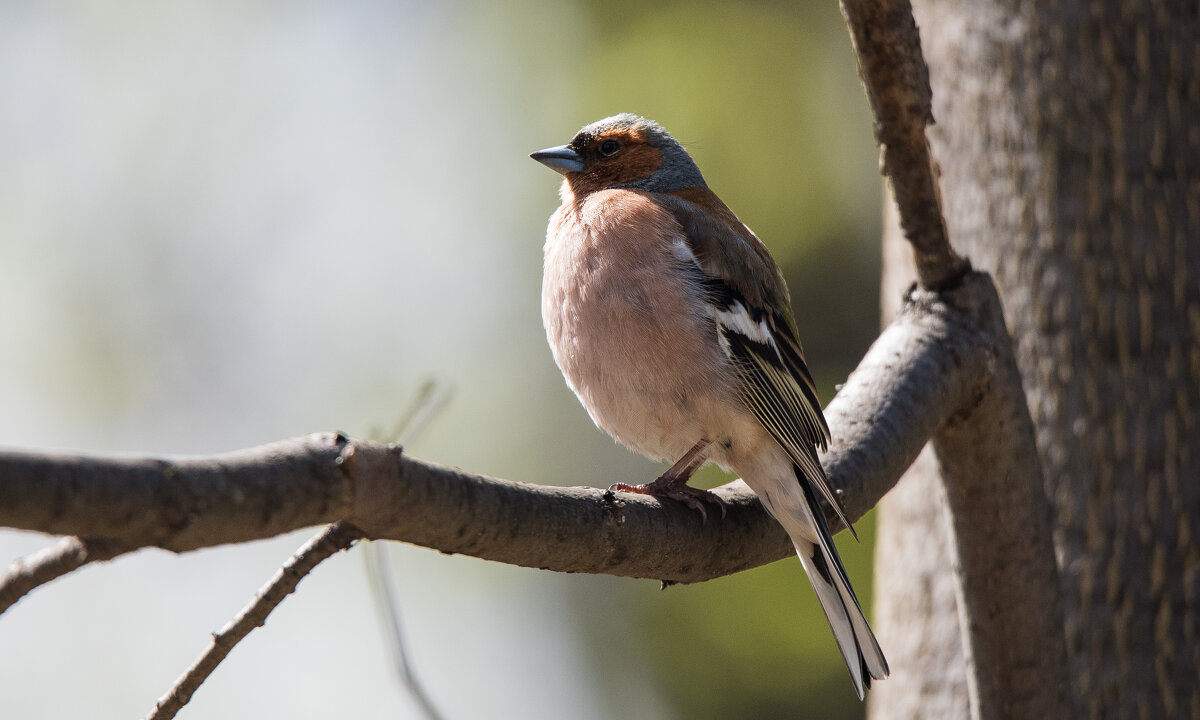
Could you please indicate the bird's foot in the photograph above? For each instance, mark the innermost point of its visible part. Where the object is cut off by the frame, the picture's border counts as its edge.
(672, 488)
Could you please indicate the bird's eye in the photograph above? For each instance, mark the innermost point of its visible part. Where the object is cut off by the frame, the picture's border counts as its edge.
(609, 147)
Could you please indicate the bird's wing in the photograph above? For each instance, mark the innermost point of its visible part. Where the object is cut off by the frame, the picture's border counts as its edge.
(748, 300)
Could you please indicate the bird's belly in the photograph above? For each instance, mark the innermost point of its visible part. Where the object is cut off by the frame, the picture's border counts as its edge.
(640, 356)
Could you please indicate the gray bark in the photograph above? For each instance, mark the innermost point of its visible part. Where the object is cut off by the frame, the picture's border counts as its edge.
(916, 603)
(1071, 172)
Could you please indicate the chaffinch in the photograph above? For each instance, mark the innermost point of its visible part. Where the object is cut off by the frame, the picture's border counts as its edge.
(673, 325)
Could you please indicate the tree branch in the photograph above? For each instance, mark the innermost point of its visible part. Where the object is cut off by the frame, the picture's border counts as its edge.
(920, 370)
(328, 542)
(946, 365)
(888, 48)
(67, 555)
(1010, 599)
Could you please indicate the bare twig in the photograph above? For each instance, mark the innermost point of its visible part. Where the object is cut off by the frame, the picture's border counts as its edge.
(428, 401)
(67, 555)
(923, 368)
(893, 70)
(387, 606)
(328, 542)
(331, 540)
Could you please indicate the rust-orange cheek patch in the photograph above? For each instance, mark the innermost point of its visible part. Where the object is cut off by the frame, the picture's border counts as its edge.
(637, 161)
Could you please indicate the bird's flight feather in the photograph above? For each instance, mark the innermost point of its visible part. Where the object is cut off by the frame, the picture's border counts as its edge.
(775, 382)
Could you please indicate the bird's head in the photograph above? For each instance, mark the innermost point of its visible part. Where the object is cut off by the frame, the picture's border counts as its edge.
(622, 151)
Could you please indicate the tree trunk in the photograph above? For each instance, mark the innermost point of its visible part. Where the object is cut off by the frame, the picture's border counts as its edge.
(1070, 156)
(916, 612)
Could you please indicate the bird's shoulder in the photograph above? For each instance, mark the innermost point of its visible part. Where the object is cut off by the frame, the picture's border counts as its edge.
(726, 248)
(750, 297)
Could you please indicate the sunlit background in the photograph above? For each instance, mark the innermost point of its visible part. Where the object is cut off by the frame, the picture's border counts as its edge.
(228, 223)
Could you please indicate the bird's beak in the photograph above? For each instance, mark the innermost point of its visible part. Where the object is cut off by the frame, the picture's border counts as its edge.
(561, 159)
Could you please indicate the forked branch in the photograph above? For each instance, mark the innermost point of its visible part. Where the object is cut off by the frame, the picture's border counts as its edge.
(893, 70)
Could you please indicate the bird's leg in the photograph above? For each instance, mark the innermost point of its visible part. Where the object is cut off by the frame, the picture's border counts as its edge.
(682, 471)
(673, 484)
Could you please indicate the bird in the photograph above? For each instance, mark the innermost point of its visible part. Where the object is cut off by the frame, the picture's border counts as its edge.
(672, 323)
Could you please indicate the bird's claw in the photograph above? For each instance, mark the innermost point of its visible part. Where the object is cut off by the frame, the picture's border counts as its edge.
(671, 489)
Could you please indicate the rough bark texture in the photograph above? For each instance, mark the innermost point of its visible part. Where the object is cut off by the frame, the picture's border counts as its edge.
(1071, 172)
(916, 603)
(1005, 591)
(1002, 546)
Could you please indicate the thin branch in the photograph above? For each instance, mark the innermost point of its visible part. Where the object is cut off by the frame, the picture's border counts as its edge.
(924, 367)
(387, 607)
(888, 47)
(67, 555)
(332, 539)
(328, 542)
(426, 404)
(429, 400)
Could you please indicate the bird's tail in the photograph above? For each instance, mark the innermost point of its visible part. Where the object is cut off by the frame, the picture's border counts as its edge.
(825, 571)
(854, 638)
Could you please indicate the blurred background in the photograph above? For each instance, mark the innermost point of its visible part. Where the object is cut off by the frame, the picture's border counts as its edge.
(223, 224)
